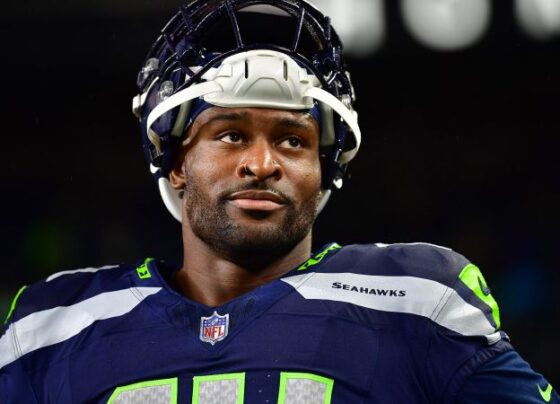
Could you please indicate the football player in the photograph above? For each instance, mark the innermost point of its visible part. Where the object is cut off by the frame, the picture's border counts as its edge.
(246, 112)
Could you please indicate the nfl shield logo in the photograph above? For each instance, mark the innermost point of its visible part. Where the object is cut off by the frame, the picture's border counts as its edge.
(214, 328)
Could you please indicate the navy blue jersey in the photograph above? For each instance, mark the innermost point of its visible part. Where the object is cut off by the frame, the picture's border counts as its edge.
(401, 323)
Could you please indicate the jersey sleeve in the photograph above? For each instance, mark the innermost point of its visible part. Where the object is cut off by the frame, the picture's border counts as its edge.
(507, 378)
(15, 386)
(470, 359)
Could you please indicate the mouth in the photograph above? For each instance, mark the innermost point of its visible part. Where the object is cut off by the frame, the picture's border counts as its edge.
(257, 200)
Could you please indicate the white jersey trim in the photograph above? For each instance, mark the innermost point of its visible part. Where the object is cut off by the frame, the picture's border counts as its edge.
(412, 295)
(49, 327)
(75, 271)
(384, 245)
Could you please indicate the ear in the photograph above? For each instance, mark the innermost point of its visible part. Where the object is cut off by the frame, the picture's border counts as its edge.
(177, 177)
(177, 174)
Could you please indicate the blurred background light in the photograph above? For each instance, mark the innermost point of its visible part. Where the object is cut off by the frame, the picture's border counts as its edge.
(540, 19)
(360, 23)
(446, 24)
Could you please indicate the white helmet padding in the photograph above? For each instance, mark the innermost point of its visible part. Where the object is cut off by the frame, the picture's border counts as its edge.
(257, 78)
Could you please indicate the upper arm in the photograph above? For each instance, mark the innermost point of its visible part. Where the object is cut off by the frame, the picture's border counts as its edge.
(15, 386)
(506, 378)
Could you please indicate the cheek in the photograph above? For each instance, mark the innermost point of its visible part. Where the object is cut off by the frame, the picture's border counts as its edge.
(200, 161)
(208, 168)
(308, 176)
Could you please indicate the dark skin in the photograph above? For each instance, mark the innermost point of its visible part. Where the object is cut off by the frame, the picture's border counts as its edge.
(252, 181)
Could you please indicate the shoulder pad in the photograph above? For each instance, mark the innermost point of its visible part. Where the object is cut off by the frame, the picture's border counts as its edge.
(416, 278)
(68, 287)
(63, 305)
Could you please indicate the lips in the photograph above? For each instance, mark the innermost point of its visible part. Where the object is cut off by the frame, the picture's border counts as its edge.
(257, 200)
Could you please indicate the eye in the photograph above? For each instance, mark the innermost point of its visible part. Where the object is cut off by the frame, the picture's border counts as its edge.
(292, 142)
(231, 137)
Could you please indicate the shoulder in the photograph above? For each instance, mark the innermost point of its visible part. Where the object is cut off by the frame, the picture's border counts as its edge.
(422, 260)
(62, 305)
(466, 302)
(421, 279)
(69, 287)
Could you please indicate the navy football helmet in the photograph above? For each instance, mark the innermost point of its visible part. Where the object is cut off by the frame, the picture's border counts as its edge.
(280, 54)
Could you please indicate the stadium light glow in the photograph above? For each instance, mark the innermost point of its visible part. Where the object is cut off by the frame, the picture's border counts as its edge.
(446, 25)
(360, 23)
(540, 19)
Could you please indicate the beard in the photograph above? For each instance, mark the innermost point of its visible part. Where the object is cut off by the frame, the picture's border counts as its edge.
(256, 240)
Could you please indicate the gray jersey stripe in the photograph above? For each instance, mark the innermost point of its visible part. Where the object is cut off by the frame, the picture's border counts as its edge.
(404, 294)
(48, 327)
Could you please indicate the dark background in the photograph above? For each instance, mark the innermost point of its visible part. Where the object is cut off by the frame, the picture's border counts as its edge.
(459, 149)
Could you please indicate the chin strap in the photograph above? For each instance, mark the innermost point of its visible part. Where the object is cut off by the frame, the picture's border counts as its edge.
(171, 198)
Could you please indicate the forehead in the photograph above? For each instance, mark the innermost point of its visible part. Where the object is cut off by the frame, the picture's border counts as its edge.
(258, 117)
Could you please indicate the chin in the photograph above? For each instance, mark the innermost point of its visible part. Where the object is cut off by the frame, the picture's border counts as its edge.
(244, 235)
(251, 238)
(260, 234)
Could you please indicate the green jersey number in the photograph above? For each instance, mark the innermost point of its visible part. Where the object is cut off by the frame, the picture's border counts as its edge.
(295, 388)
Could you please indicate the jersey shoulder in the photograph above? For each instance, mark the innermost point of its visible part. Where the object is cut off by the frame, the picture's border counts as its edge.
(61, 306)
(66, 288)
(420, 260)
(415, 278)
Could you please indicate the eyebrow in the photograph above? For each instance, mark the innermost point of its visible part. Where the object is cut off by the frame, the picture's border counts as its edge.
(228, 116)
(294, 123)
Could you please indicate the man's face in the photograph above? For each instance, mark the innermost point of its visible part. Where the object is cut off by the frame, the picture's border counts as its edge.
(251, 178)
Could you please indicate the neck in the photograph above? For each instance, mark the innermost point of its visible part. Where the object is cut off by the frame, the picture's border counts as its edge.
(211, 278)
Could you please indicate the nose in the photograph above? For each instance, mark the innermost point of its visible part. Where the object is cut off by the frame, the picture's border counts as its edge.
(259, 161)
